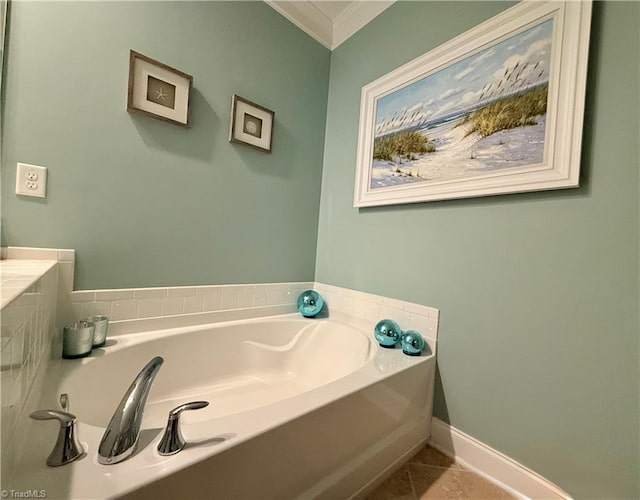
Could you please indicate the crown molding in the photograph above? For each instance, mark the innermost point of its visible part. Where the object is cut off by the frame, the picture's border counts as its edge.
(306, 16)
(356, 16)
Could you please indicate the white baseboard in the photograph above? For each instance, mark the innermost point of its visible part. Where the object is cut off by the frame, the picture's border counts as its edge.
(501, 470)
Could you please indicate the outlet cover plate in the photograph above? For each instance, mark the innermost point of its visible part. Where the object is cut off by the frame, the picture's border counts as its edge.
(31, 180)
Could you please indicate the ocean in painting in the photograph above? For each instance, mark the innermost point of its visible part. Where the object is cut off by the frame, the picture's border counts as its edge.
(486, 112)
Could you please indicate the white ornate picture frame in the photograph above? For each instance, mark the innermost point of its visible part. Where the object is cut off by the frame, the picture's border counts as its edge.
(498, 109)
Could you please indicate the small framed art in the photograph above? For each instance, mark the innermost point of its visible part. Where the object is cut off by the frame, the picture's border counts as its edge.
(251, 124)
(158, 90)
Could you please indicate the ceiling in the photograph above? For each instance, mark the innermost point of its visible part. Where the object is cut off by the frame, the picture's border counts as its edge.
(330, 22)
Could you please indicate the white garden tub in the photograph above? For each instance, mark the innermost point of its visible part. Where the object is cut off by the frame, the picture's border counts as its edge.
(299, 408)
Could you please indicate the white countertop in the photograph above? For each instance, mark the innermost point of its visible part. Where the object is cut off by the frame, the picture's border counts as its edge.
(17, 275)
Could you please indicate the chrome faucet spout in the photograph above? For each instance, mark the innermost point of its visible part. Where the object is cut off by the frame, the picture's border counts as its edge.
(121, 435)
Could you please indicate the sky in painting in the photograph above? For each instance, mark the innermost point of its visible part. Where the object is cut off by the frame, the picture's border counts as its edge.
(469, 81)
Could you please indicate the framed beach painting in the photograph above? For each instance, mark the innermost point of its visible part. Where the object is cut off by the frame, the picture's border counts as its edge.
(498, 109)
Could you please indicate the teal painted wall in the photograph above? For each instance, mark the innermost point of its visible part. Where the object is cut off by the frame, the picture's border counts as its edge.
(148, 203)
(538, 350)
(538, 293)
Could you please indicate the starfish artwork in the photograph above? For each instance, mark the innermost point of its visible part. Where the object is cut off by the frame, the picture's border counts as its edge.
(161, 92)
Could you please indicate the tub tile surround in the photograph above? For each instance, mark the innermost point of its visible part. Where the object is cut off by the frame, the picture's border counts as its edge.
(143, 307)
(65, 257)
(160, 302)
(34, 283)
(126, 304)
(370, 308)
(28, 333)
(16, 276)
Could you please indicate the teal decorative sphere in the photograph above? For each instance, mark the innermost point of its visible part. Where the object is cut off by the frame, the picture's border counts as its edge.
(412, 343)
(387, 332)
(310, 303)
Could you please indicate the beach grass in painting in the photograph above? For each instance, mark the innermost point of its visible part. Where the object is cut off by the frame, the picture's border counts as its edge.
(484, 113)
(405, 144)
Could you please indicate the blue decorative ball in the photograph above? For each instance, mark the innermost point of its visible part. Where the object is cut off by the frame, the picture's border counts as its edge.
(412, 343)
(387, 332)
(310, 303)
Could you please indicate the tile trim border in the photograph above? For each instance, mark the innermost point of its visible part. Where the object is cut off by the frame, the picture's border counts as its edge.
(66, 258)
(371, 308)
(126, 304)
(494, 466)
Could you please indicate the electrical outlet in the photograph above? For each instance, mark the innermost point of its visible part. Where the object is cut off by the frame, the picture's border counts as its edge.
(31, 180)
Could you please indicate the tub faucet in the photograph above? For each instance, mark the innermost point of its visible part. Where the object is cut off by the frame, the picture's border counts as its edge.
(172, 441)
(67, 447)
(121, 435)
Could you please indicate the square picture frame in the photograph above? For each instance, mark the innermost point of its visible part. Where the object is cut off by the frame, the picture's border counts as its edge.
(158, 90)
(439, 127)
(251, 124)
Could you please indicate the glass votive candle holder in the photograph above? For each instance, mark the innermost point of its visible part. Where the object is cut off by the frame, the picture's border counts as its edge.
(77, 339)
(100, 334)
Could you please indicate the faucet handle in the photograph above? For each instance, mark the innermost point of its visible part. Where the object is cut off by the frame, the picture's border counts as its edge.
(67, 448)
(64, 402)
(172, 441)
(66, 419)
(194, 405)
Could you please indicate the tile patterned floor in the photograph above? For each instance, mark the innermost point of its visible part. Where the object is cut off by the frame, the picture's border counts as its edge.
(432, 475)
